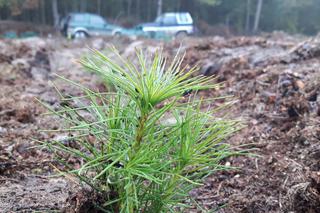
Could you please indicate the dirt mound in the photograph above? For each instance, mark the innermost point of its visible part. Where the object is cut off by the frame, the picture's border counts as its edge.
(304, 196)
(276, 83)
(52, 194)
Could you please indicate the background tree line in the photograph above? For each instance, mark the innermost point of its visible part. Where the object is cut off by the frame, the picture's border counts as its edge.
(237, 16)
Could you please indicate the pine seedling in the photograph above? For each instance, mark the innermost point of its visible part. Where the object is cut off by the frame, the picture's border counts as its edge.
(146, 145)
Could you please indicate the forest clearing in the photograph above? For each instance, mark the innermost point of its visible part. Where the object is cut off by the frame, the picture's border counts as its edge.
(274, 79)
(158, 106)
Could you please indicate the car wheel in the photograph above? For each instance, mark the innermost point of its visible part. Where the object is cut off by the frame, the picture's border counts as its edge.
(181, 35)
(80, 35)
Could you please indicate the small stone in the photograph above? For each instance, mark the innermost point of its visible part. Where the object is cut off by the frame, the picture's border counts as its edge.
(306, 142)
(271, 160)
(3, 130)
(300, 84)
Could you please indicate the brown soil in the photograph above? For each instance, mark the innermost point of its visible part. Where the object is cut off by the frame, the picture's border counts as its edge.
(275, 79)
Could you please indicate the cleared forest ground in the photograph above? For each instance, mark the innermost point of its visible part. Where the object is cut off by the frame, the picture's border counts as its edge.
(275, 78)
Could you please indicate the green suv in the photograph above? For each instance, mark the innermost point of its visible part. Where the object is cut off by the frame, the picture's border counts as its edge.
(81, 25)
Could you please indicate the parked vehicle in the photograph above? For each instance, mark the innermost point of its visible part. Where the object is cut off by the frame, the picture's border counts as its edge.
(80, 25)
(173, 24)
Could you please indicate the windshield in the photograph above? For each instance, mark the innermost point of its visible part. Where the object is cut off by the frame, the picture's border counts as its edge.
(159, 19)
(98, 20)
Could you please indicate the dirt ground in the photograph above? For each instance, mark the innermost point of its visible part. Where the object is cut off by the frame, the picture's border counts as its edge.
(274, 77)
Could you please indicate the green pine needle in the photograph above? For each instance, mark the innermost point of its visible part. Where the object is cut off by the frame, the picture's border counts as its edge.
(128, 149)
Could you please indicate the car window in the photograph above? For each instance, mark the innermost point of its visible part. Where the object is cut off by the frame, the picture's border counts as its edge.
(169, 20)
(159, 19)
(79, 18)
(183, 18)
(97, 20)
